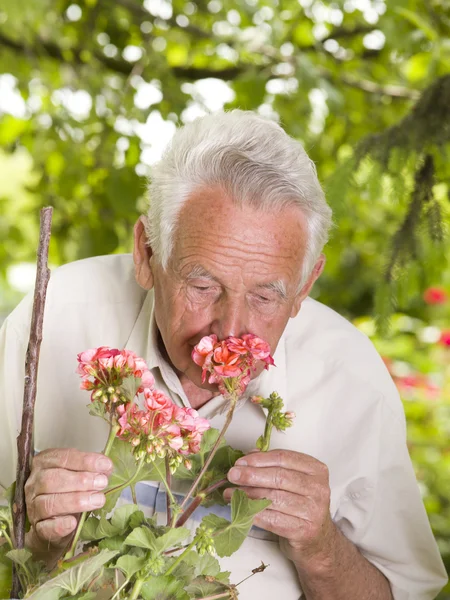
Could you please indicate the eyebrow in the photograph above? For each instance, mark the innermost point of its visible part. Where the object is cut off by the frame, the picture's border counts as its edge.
(198, 271)
(279, 287)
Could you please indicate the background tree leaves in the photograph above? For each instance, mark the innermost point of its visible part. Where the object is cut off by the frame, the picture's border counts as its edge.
(91, 86)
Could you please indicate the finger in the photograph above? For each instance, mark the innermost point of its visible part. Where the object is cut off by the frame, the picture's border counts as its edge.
(58, 481)
(284, 502)
(274, 478)
(285, 526)
(47, 506)
(57, 529)
(72, 460)
(283, 458)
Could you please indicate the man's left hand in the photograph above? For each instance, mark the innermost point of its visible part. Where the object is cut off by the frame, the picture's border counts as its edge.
(298, 486)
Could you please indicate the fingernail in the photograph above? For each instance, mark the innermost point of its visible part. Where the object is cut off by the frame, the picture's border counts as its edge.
(104, 464)
(241, 461)
(100, 482)
(97, 500)
(234, 474)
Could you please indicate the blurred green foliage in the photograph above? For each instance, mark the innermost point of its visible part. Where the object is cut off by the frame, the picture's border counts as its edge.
(85, 87)
(90, 90)
(417, 354)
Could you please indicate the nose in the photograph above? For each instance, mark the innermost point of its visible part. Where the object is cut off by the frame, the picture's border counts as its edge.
(230, 318)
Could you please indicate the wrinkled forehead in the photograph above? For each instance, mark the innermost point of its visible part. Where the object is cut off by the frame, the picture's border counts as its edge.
(213, 228)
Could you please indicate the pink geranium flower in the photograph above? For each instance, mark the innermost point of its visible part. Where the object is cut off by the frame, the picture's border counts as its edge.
(104, 369)
(445, 337)
(230, 362)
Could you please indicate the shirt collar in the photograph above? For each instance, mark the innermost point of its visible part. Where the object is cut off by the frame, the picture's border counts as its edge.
(143, 340)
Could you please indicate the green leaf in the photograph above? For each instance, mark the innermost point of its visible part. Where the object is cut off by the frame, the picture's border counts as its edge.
(97, 529)
(232, 535)
(164, 588)
(141, 537)
(420, 22)
(116, 542)
(202, 588)
(130, 564)
(125, 467)
(203, 565)
(121, 516)
(172, 538)
(130, 386)
(97, 409)
(5, 514)
(136, 519)
(5, 579)
(198, 460)
(19, 557)
(74, 578)
(9, 493)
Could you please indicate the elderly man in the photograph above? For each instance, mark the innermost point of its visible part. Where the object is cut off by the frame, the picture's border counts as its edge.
(232, 244)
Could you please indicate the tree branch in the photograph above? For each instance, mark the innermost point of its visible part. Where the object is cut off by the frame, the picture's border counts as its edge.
(143, 14)
(50, 49)
(25, 438)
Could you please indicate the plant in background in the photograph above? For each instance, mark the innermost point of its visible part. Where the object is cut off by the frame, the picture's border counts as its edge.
(118, 550)
(417, 354)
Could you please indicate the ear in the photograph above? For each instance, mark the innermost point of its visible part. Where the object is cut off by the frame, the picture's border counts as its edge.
(142, 254)
(304, 292)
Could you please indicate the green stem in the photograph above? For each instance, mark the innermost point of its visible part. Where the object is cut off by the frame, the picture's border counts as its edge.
(136, 589)
(169, 502)
(114, 428)
(8, 539)
(180, 558)
(166, 484)
(265, 444)
(120, 589)
(233, 400)
(112, 436)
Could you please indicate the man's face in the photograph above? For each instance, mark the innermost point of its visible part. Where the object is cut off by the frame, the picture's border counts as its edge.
(232, 271)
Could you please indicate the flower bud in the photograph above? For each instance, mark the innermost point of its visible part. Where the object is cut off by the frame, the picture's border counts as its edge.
(256, 399)
(110, 390)
(135, 441)
(97, 394)
(187, 463)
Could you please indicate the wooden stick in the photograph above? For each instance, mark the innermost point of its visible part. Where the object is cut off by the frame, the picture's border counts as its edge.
(25, 438)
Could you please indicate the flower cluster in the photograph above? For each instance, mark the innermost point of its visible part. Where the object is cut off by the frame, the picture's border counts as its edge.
(104, 369)
(232, 358)
(162, 429)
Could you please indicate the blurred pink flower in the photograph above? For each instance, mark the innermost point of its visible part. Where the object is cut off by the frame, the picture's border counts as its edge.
(445, 337)
(435, 295)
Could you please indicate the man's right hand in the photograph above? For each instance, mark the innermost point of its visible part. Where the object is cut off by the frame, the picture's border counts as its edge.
(63, 483)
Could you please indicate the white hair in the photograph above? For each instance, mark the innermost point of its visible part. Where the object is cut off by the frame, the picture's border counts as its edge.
(253, 160)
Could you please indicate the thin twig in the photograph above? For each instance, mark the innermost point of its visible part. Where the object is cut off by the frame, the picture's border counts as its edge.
(25, 438)
(198, 500)
(211, 455)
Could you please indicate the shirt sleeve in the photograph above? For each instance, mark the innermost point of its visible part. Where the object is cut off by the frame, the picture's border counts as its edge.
(388, 523)
(14, 335)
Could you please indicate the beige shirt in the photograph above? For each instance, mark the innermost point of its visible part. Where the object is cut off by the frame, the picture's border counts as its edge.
(349, 416)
